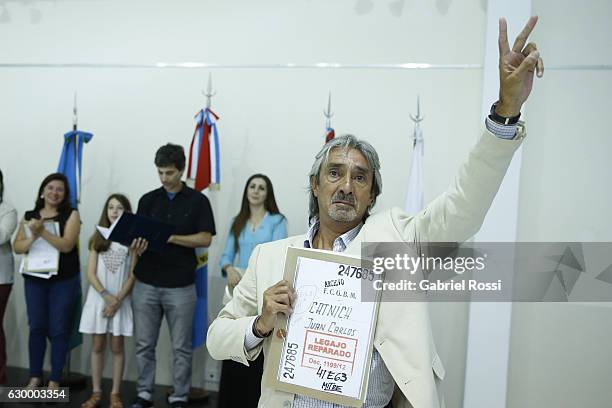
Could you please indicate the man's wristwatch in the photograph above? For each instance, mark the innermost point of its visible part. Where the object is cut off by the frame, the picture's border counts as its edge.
(257, 333)
(501, 119)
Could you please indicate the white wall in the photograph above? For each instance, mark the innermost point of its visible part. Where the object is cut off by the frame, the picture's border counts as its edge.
(560, 353)
(271, 119)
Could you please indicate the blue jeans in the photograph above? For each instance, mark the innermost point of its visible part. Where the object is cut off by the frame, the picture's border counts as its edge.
(50, 307)
(150, 304)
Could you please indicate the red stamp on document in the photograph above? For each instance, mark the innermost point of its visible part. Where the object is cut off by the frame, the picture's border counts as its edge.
(329, 351)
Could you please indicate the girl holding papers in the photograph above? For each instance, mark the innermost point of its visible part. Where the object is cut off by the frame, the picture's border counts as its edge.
(8, 224)
(50, 300)
(108, 309)
(258, 221)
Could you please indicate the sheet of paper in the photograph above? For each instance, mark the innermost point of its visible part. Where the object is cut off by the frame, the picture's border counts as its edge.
(42, 275)
(42, 256)
(328, 347)
(107, 231)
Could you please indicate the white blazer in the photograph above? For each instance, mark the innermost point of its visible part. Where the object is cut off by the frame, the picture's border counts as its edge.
(403, 334)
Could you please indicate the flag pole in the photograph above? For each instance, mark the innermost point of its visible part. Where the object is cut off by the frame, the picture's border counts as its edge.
(72, 380)
(209, 93)
(328, 113)
(417, 120)
(75, 126)
(200, 394)
(329, 131)
(415, 194)
(75, 115)
(213, 186)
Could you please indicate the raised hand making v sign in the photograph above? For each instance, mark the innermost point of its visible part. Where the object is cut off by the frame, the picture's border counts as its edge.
(517, 66)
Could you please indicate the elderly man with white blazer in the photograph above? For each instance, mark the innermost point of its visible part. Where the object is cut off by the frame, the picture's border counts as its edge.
(344, 183)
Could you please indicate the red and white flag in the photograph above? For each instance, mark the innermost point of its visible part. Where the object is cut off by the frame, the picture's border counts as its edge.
(204, 165)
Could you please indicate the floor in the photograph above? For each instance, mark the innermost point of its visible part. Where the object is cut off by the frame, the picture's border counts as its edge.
(19, 377)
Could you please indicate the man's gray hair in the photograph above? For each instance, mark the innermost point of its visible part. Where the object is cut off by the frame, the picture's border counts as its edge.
(344, 142)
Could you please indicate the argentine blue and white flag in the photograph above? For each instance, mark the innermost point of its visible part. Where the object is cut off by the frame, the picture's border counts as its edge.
(71, 160)
(70, 164)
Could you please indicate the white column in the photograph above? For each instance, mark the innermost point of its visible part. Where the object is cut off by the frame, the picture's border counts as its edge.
(486, 372)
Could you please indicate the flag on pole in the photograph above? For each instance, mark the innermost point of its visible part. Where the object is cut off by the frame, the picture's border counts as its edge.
(329, 134)
(71, 160)
(70, 164)
(204, 166)
(415, 195)
(203, 169)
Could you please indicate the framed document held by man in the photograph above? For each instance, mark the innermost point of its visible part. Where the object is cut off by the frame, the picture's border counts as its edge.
(324, 349)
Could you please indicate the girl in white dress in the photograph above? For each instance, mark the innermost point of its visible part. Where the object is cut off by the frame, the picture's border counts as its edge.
(108, 309)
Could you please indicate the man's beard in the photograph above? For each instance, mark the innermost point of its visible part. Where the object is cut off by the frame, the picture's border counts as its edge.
(345, 213)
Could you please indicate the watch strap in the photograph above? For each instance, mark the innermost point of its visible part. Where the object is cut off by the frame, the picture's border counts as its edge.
(502, 120)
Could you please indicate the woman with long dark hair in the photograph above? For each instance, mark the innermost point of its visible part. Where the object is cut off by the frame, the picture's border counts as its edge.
(50, 302)
(258, 221)
(8, 224)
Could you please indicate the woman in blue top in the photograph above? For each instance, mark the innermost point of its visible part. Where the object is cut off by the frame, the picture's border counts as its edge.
(258, 221)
